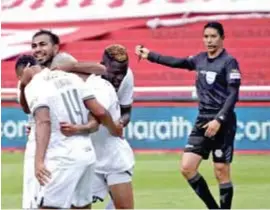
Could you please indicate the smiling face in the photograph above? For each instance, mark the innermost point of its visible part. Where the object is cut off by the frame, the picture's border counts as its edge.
(213, 42)
(43, 49)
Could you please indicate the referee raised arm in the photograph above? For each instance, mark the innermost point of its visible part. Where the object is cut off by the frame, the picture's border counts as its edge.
(218, 81)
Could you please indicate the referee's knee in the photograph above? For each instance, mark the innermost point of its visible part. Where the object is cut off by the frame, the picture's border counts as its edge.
(222, 172)
(188, 171)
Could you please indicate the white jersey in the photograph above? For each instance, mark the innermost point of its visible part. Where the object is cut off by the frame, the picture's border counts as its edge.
(30, 147)
(30, 144)
(63, 94)
(113, 153)
(126, 89)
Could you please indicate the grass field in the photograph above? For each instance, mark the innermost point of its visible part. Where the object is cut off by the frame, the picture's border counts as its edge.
(158, 183)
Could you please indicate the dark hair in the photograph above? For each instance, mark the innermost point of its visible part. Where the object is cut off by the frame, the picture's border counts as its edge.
(54, 38)
(22, 62)
(216, 25)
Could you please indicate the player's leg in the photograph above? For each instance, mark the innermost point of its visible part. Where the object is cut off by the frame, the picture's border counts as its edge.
(59, 191)
(222, 172)
(222, 157)
(121, 191)
(196, 150)
(84, 190)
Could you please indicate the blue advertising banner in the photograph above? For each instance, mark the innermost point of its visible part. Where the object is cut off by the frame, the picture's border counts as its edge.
(13, 122)
(169, 127)
(158, 127)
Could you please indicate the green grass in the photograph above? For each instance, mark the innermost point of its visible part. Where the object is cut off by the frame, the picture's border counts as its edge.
(158, 183)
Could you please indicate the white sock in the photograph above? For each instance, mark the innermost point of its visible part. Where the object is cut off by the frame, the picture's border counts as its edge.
(110, 205)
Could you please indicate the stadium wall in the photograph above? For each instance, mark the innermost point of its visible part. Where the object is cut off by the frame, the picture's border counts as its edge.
(159, 126)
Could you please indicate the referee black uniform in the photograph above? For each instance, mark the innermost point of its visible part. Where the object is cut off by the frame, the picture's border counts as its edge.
(217, 83)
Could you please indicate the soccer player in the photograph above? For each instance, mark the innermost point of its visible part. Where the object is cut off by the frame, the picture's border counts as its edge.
(69, 159)
(115, 59)
(115, 160)
(218, 81)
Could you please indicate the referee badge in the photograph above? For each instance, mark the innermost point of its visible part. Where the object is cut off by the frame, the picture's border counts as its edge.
(210, 77)
(235, 74)
(218, 153)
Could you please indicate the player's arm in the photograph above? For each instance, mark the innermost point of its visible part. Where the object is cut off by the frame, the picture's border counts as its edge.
(83, 67)
(22, 100)
(183, 63)
(91, 127)
(39, 107)
(126, 99)
(24, 80)
(103, 116)
(43, 131)
(233, 77)
(71, 129)
(125, 115)
(66, 62)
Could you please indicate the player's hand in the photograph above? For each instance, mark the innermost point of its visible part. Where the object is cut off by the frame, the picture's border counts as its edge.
(120, 122)
(68, 129)
(212, 128)
(26, 76)
(118, 131)
(41, 173)
(141, 51)
(28, 73)
(27, 130)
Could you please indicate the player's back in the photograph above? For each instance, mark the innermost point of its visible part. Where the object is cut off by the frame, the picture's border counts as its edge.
(113, 153)
(63, 95)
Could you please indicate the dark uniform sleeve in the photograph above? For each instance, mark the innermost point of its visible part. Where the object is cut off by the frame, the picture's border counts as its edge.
(184, 63)
(233, 77)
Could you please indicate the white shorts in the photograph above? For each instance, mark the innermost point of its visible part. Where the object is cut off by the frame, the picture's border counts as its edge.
(29, 184)
(67, 186)
(103, 181)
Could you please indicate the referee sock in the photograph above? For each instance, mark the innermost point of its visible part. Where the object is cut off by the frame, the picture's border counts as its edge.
(200, 186)
(226, 195)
